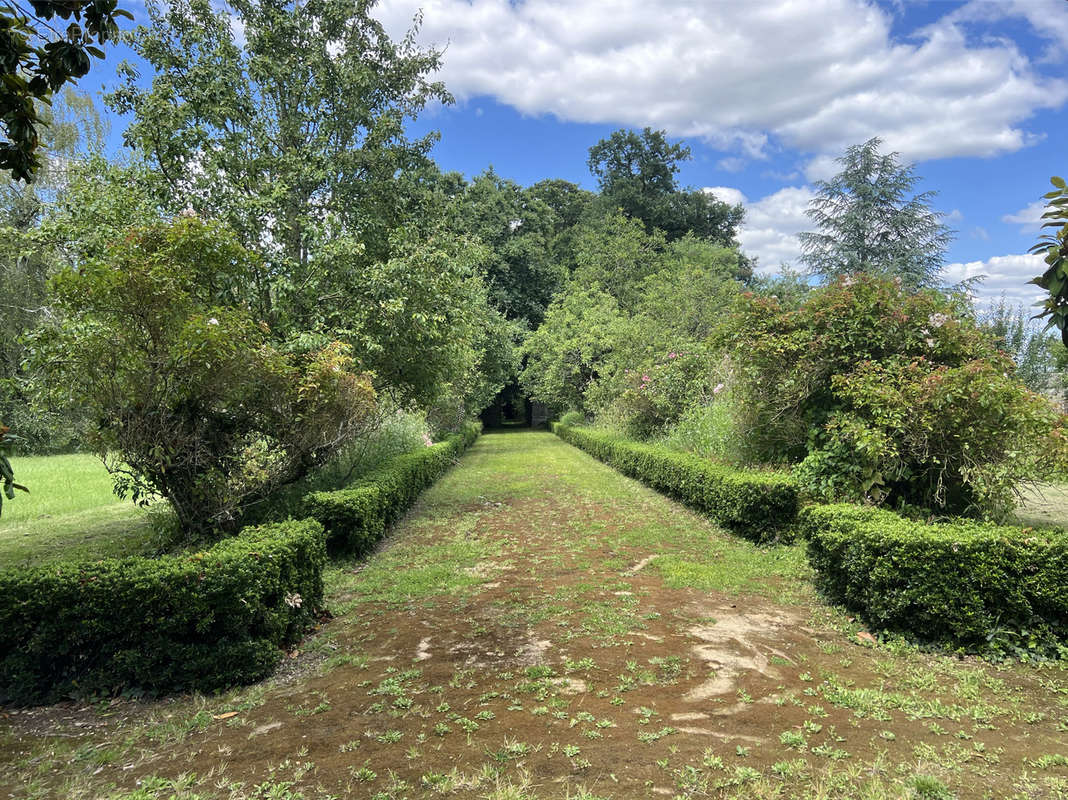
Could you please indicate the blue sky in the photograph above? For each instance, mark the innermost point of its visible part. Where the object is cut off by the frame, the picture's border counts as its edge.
(766, 93)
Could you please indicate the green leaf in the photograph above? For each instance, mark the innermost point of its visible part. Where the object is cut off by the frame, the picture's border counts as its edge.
(1058, 182)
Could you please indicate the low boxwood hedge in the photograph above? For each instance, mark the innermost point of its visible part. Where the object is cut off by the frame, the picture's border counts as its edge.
(197, 621)
(968, 584)
(757, 505)
(357, 516)
(201, 621)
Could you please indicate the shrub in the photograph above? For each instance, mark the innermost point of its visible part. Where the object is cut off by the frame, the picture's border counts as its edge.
(357, 516)
(970, 584)
(653, 397)
(572, 418)
(959, 439)
(757, 505)
(200, 621)
(191, 398)
(888, 396)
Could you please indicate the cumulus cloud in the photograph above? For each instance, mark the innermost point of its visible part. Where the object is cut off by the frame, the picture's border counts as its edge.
(834, 76)
(1002, 275)
(771, 224)
(1046, 17)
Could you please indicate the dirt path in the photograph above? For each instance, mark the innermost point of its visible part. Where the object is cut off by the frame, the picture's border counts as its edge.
(541, 627)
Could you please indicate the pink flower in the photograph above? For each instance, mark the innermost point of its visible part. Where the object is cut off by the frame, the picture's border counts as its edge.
(718, 389)
(672, 355)
(645, 378)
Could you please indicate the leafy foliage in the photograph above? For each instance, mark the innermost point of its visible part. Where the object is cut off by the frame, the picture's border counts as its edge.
(757, 505)
(628, 337)
(33, 69)
(868, 222)
(972, 585)
(191, 398)
(887, 395)
(567, 354)
(519, 229)
(1054, 249)
(285, 120)
(1034, 353)
(636, 174)
(203, 620)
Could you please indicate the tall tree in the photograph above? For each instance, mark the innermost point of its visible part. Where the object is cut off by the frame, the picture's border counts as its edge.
(636, 173)
(28, 258)
(519, 228)
(868, 222)
(1032, 350)
(287, 120)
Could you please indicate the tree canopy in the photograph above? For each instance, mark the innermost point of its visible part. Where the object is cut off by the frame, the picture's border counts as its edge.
(38, 59)
(636, 173)
(286, 120)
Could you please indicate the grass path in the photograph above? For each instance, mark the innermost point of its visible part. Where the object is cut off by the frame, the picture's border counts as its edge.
(541, 627)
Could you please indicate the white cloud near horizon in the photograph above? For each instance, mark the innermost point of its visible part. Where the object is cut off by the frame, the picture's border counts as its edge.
(746, 77)
(1003, 276)
(772, 223)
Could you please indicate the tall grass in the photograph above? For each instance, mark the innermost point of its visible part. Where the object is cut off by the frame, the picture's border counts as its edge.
(708, 431)
(400, 432)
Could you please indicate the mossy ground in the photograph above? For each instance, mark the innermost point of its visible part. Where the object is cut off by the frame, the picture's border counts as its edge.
(541, 627)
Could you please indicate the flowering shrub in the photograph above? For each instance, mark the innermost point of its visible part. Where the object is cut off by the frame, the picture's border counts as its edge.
(658, 395)
(888, 396)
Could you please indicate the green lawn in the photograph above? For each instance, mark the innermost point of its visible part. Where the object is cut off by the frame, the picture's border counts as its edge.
(70, 512)
(1044, 505)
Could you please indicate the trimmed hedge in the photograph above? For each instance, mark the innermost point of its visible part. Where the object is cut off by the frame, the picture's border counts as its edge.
(357, 516)
(960, 583)
(757, 505)
(199, 621)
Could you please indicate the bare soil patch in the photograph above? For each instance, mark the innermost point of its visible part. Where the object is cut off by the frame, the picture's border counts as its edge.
(560, 662)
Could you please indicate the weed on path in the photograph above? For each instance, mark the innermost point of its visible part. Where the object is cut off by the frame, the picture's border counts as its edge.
(541, 627)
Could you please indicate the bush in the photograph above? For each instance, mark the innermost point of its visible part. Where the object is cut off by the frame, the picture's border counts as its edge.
(356, 517)
(572, 418)
(970, 584)
(888, 396)
(191, 398)
(757, 505)
(200, 621)
(959, 439)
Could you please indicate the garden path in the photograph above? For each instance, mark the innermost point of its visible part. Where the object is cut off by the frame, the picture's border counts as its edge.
(539, 626)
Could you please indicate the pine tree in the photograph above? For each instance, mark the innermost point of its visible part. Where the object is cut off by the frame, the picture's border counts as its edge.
(868, 223)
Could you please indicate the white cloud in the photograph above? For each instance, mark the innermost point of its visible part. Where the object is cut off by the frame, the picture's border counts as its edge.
(1004, 275)
(731, 164)
(818, 75)
(771, 224)
(1029, 219)
(727, 194)
(1046, 17)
